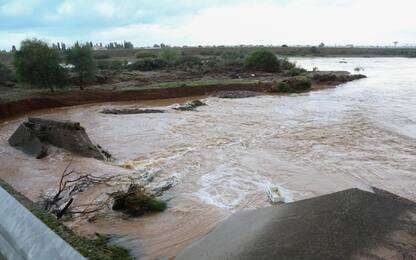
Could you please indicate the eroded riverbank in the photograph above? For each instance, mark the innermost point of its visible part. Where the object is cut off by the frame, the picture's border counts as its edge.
(225, 154)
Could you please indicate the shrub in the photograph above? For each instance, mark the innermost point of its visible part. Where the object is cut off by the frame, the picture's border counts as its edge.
(325, 77)
(285, 64)
(262, 60)
(335, 78)
(135, 202)
(38, 64)
(169, 55)
(148, 64)
(295, 72)
(281, 87)
(293, 84)
(233, 58)
(189, 60)
(299, 83)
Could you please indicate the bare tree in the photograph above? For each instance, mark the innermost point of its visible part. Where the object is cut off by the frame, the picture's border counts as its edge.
(69, 186)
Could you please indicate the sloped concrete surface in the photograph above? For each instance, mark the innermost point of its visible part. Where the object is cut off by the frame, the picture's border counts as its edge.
(351, 224)
(33, 136)
(23, 236)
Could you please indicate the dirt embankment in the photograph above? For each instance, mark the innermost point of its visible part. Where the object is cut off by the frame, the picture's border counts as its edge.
(73, 98)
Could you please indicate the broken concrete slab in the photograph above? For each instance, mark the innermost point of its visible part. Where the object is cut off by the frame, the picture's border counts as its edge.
(34, 135)
(26, 140)
(351, 224)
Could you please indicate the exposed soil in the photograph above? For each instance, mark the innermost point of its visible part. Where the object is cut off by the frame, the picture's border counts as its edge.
(73, 98)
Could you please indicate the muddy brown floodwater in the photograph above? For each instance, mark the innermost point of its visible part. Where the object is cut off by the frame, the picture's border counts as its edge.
(223, 156)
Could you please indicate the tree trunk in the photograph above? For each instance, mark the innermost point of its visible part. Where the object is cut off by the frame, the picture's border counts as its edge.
(81, 83)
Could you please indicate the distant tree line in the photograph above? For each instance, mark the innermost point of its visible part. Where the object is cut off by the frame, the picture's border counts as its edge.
(124, 45)
(112, 45)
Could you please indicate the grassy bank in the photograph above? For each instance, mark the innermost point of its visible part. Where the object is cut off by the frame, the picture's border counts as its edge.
(25, 92)
(91, 248)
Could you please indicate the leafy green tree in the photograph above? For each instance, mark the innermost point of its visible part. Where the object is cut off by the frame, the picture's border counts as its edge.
(5, 74)
(82, 57)
(262, 60)
(39, 65)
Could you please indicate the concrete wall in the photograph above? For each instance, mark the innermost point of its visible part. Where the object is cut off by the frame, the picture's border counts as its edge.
(23, 236)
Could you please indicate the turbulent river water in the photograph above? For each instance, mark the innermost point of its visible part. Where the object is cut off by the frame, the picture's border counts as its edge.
(223, 156)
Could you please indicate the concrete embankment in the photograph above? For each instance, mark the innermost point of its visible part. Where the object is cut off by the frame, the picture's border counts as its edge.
(351, 224)
(23, 236)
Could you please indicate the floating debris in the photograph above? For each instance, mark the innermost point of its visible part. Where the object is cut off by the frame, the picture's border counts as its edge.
(274, 195)
(190, 106)
(130, 111)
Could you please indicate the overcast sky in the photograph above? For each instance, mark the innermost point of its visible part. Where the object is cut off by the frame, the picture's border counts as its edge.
(213, 22)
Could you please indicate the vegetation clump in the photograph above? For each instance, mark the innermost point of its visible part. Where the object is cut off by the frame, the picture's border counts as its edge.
(39, 65)
(332, 78)
(295, 72)
(188, 61)
(293, 84)
(170, 55)
(233, 59)
(262, 60)
(285, 64)
(135, 202)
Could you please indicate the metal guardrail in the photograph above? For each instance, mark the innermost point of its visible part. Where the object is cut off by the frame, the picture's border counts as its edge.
(24, 236)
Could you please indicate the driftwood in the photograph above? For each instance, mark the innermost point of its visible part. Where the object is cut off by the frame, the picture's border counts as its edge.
(61, 202)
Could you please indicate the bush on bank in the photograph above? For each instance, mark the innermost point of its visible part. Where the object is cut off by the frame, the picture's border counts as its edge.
(262, 60)
(295, 72)
(293, 84)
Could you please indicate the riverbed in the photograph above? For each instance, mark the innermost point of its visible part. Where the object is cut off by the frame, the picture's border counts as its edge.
(224, 155)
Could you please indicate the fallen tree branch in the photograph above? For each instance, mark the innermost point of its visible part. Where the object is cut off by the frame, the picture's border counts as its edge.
(61, 202)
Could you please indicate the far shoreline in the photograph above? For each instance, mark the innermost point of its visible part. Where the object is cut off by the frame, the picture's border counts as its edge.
(69, 98)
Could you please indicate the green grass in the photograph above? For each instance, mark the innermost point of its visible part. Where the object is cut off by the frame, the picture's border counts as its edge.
(96, 249)
(196, 83)
(23, 92)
